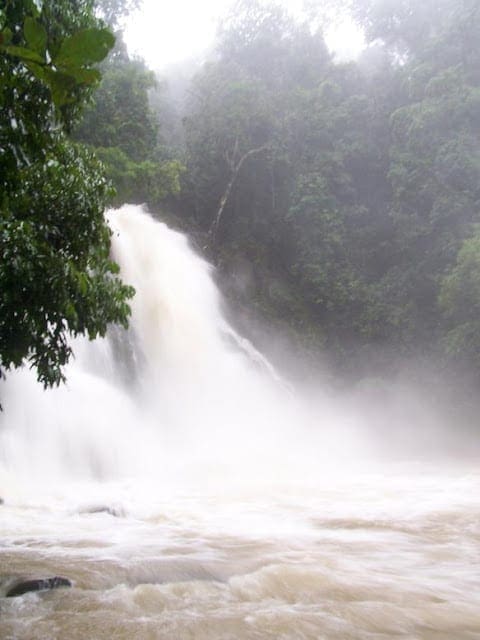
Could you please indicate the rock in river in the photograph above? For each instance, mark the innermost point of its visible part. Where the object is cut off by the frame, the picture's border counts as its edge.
(21, 586)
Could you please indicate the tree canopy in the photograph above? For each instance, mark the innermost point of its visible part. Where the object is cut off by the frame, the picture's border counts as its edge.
(56, 277)
(368, 185)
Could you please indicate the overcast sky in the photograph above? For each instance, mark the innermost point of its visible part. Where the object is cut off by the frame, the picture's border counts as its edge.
(165, 32)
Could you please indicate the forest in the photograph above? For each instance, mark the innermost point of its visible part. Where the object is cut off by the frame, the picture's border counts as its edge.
(338, 200)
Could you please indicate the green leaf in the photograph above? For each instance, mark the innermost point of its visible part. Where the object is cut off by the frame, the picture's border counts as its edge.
(85, 76)
(24, 54)
(37, 70)
(35, 35)
(82, 279)
(71, 313)
(61, 86)
(85, 47)
(60, 91)
(5, 37)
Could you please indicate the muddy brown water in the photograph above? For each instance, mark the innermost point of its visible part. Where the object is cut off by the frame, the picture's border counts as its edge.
(368, 557)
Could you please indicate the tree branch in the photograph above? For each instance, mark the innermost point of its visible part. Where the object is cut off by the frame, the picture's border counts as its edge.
(235, 170)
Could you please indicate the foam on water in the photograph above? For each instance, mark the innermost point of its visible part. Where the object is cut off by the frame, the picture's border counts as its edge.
(180, 384)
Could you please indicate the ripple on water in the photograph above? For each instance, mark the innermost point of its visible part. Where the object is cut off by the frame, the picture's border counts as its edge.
(239, 570)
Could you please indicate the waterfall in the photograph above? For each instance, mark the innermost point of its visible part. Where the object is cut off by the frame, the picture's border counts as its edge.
(179, 378)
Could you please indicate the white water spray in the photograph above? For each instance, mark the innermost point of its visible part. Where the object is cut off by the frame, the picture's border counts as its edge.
(178, 391)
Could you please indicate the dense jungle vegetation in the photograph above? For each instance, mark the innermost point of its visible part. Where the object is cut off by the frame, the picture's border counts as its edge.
(339, 200)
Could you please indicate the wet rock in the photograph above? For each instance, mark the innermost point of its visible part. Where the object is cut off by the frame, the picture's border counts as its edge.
(116, 512)
(20, 586)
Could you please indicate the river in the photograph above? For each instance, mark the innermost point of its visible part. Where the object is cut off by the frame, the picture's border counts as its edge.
(364, 556)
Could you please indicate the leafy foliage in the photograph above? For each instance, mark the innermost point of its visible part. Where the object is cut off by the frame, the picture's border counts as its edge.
(56, 278)
(460, 302)
(370, 183)
(123, 129)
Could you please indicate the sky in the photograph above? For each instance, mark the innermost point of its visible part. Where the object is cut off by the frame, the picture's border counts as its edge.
(169, 32)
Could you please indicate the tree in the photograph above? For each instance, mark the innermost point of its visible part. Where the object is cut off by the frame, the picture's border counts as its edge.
(459, 301)
(120, 115)
(351, 186)
(228, 124)
(112, 11)
(56, 277)
(122, 128)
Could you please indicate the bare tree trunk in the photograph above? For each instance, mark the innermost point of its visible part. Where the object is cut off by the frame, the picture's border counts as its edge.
(235, 168)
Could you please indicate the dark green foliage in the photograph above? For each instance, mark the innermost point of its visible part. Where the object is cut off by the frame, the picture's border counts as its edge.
(460, 302)
(56, 278)
(229, 117)
(369, 182)
(139, 182)
(120, 115)
(122, 127)
(57, 46)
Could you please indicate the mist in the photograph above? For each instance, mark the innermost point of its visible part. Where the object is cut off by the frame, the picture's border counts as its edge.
(239, 328)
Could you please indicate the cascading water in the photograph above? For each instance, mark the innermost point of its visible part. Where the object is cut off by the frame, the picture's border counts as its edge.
(240, 512)
(176, 375)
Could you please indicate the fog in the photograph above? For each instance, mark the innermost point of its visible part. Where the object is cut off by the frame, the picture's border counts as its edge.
(284, 441)
(203, 405)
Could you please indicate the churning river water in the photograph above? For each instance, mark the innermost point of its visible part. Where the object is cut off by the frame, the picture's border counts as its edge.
(187, 493)
(365, 556)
